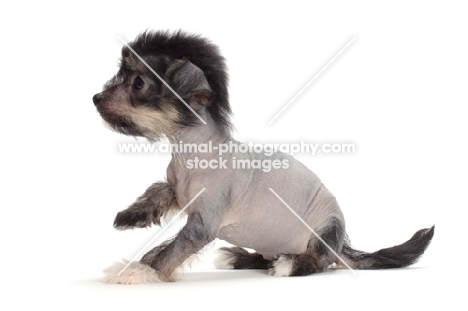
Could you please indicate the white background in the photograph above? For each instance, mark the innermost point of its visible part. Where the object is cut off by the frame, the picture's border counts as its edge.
(398, 93)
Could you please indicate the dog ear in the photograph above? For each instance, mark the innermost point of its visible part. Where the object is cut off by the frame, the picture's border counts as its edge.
(189, 81)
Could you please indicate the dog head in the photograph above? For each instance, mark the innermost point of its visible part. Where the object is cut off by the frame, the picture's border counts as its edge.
(136, 102)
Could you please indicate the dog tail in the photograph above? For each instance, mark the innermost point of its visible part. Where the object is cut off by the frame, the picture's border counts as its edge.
(398, 256)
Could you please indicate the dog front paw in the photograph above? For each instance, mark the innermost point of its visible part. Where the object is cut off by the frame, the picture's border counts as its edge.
(132, 218)
(135, 273)
(129, 219)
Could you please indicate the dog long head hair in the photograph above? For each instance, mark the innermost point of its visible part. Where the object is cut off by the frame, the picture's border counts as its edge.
(135, 102)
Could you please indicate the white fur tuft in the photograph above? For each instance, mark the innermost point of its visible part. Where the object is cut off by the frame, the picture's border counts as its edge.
(282, 267)
(224, 260)
(136, 273)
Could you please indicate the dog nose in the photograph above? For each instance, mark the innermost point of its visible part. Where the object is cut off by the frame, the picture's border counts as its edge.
(97, 98)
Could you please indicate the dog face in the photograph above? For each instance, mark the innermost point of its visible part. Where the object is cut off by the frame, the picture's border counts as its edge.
(136, 102)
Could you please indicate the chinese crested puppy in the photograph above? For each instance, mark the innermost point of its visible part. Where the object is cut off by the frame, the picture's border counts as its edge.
(175, 85)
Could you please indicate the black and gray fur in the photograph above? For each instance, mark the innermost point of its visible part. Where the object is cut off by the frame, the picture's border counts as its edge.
(237, 205)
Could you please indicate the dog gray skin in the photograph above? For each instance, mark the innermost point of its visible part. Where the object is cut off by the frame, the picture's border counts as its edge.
(237, 205)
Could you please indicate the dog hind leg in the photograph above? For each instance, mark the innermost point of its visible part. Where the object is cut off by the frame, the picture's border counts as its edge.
(318, 256)
(239, 258)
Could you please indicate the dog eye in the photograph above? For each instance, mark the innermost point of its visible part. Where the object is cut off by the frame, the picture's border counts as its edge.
(138, 83)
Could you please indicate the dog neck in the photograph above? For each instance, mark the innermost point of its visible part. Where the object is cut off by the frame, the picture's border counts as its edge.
(201, 134)
(179, 174)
